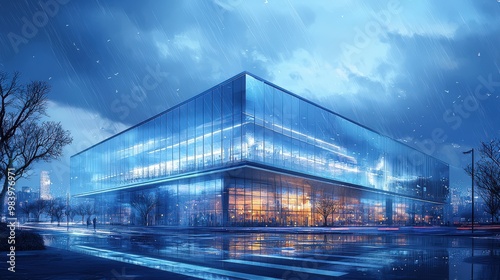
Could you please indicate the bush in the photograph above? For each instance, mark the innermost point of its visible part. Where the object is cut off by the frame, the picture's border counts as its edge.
(25, 240)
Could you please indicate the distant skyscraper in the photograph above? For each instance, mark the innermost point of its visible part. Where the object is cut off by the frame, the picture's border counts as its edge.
(45, 185)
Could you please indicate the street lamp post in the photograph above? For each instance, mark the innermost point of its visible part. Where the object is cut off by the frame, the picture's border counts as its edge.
(469, 152)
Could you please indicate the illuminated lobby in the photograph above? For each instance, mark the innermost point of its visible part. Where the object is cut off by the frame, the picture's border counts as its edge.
(249, 153)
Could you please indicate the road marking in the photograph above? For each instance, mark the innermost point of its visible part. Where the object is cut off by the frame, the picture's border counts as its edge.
(288, 267)
(384, 259)
(319, 261)
(190, 270)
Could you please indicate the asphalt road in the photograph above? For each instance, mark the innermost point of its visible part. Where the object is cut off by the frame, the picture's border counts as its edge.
(219, 255)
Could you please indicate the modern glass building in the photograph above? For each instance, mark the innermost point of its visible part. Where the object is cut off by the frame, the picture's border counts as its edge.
(249, 153)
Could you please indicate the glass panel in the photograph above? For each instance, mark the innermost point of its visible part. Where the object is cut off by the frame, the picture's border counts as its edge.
(207, 130)
(198, 142)
(175, 140)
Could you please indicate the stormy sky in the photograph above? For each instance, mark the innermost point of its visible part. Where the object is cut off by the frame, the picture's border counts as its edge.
(423, 72)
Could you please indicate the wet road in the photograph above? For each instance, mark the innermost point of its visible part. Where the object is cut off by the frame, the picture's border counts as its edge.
(295, 256)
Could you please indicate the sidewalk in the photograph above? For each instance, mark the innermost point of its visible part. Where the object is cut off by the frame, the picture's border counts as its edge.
(53, 263)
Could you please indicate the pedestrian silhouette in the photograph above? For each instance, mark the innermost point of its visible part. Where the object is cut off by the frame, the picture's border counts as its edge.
(88, 222)
(94, 221)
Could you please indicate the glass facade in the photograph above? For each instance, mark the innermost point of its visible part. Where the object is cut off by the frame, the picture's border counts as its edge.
(247, 152)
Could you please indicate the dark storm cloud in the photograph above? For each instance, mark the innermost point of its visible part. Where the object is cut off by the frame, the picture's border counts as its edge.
(443, 75)
(108, 48)
(90, 44)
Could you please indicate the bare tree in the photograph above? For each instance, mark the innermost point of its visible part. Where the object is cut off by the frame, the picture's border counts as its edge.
(487, 176)
(491, 204)
(325, 207)
(26, 208)
(39, 206)
(80, 210)
(56, 210)
(70, 212)
(89, 209)
(144, 204)
(24, 137)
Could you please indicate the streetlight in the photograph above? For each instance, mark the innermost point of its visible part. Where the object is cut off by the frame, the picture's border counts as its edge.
(468, 152)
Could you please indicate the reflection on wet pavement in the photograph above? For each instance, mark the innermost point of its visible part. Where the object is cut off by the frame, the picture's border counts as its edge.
(297, 256)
